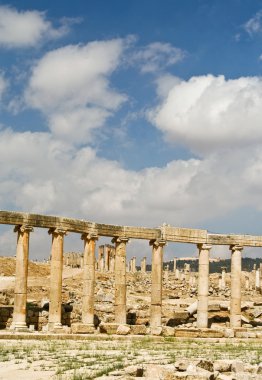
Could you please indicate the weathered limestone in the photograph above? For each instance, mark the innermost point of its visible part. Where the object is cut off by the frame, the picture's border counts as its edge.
(143, 265)
(106, 258)
(120, 279)
(88, 279)
(187, 271)
(101, 264)
(260, 277)
(55, 306)
(112, 264)
(257, 279)
(223, 278)
(235, 301)
(177, 275)
(20, 297)
(203, 274)
(247, 283)
(156, 287)
(166, 273)
(133, 265)
(174, 261)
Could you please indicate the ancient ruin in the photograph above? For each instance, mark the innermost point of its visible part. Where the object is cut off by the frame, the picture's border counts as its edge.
(112, 259)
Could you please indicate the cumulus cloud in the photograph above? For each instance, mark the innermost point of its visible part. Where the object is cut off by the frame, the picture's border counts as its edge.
(157, 56)
(254, 24)
(27, 28)
(46, 175)
(71, 87)
(3, 85)
(209, 113)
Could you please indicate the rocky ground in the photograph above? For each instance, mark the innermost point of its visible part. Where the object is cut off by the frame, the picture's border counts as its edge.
(130, 358)
(177, 297)
(159, 357)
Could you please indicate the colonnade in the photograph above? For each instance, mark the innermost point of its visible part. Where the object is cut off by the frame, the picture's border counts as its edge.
(89, 239)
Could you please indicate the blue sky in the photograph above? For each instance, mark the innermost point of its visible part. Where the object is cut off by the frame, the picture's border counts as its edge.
(132, 112)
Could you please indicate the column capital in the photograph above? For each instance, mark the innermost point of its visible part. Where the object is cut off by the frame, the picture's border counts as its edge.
(57, 231)
(204, 246)
(157, 242)
(23, 228)
(89, 236)
(236, 247)
(120, 239)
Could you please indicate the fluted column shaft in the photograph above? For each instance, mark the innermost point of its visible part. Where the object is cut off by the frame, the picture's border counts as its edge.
(174, 261)
(20, 296)
(88, 278)
(203, 284)
(235, 301)
(120, 279)
(55, 306)
(143, 265)
(156, 287)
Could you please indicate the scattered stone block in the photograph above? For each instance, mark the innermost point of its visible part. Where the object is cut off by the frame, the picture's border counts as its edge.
(156, 330)
(138, 329)
(123, 330)
(181, 365)
(229, 333)
(222, 365)
(108, 328)
(81, 328)
(237, 366)
(205, 364)
(168, 331)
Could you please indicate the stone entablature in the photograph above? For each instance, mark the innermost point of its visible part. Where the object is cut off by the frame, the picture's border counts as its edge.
(166, 232)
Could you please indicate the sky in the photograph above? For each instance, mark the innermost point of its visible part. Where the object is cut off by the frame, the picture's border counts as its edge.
(137, 112)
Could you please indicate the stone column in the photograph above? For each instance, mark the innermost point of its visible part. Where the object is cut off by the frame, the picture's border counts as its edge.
(235, 301)
(120, 279)
(260, 277)
(89, 280)
(112, 263)
(101, 265)
(223, 278)
(174, 260)
(107, 254)
(134, 265)
(156, 287)
(143, 265)
(203, 274)
(187, 271)
(177, 276)
(257, 287)
(20, 296)
(55, 305)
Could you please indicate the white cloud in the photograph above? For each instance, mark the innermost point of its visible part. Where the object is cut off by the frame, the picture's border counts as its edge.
(3, 85)
(254, 24)
(27, 28)
(45, 175)
(157, 56)
(71, 87)
(208, 113)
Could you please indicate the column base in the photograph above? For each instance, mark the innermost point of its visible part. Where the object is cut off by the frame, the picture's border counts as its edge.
(82, 328)
(114, 328)
(19, 327)
(54, 327)
(156, 330)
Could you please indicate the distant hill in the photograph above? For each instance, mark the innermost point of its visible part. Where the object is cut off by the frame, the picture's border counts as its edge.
(214, 266)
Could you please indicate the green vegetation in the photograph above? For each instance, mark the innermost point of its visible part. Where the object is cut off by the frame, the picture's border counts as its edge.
(78, 360)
